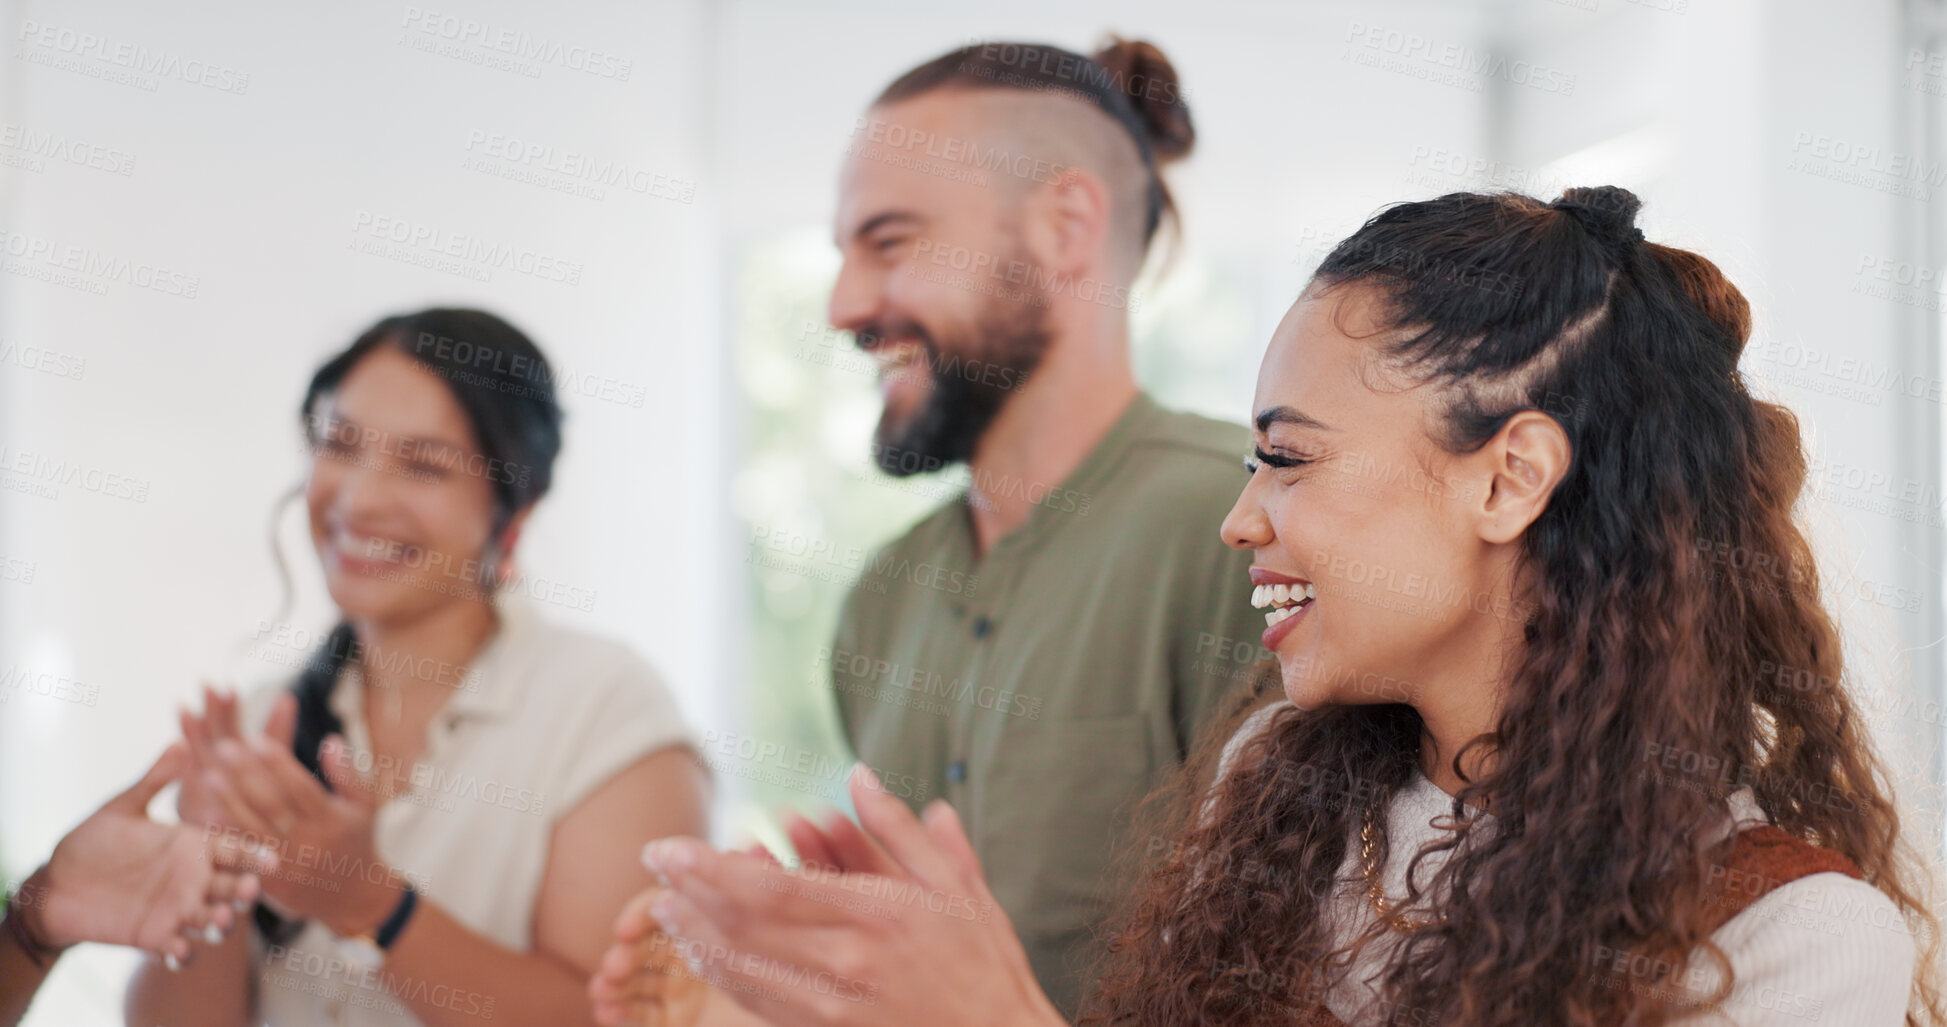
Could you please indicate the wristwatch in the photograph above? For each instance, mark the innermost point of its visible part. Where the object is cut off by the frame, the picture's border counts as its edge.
(369, 949)
(13, 919)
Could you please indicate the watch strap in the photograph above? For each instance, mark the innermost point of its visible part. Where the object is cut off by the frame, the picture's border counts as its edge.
(388, 932)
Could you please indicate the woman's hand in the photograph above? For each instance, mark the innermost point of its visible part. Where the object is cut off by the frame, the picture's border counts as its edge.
(921, 941)
(194, 802)
(123, 879)
(260, 790)
(643, 980)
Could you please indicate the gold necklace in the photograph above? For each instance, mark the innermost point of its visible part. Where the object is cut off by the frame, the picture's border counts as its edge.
(1376, 891)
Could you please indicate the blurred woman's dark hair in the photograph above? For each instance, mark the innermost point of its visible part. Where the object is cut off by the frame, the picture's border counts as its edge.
(1638, 641)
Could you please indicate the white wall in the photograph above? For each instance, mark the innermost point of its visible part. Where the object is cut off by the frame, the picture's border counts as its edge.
(256, 195)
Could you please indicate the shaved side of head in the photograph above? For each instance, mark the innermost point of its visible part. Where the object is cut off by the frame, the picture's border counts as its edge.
(1028, 138)
(1033, 111)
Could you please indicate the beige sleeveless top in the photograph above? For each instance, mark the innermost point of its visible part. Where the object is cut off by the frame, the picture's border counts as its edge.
(542, 717)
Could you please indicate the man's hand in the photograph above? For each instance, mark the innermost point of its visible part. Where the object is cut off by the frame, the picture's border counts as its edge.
(123, 879)
(919, 940)
(838, 845)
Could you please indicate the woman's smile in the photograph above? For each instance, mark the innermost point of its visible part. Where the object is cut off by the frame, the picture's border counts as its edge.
(1288, 599)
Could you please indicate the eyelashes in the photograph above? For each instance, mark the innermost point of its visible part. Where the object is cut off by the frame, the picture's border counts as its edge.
(1257, 457)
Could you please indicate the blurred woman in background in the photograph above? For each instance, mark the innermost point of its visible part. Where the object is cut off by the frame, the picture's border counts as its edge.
(457, 788)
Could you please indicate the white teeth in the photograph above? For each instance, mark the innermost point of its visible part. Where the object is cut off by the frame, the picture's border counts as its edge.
(363, 544)
(1287, 595)
(1281, 613)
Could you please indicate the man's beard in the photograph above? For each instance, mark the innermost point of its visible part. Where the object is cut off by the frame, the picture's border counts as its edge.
(971, 382)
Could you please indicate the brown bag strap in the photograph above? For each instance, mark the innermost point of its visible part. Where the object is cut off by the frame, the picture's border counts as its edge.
(1760, 860)
(1318, 1016)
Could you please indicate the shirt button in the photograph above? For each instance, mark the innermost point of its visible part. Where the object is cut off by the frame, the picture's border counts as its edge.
(982, 627)
(956, 772)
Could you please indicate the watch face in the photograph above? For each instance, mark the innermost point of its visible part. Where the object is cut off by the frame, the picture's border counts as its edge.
(361, 951)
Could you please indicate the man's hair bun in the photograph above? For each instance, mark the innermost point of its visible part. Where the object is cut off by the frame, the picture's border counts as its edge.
(1141, 72)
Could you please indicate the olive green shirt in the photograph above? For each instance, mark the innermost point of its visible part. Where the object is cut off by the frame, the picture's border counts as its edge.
(1045, 688)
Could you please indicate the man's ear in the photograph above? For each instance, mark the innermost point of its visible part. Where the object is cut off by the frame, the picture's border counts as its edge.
(1068, 222)
(1521, 465)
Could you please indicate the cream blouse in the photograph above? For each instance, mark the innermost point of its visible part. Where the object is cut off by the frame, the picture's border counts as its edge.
(543, 716)
(1826, 949)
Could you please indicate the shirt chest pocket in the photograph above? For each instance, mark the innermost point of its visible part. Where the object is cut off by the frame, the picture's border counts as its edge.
(1053, 814)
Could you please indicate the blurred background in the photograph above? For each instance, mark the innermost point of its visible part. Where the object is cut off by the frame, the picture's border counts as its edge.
(229, 185)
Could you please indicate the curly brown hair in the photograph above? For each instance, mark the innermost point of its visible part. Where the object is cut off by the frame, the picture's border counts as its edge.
(1638, 642)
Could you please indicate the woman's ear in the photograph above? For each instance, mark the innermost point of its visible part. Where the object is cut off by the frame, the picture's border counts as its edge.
(504, 543)
(1525, 460)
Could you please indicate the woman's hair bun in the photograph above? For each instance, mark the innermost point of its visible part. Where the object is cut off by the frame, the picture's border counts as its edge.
(1140, 71)
(1608, 212)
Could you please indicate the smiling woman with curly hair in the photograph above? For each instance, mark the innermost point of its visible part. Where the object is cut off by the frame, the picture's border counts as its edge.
(1563, 738)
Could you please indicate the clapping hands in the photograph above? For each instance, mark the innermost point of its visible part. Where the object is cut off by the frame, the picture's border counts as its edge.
(888, 922)
(256, 790)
